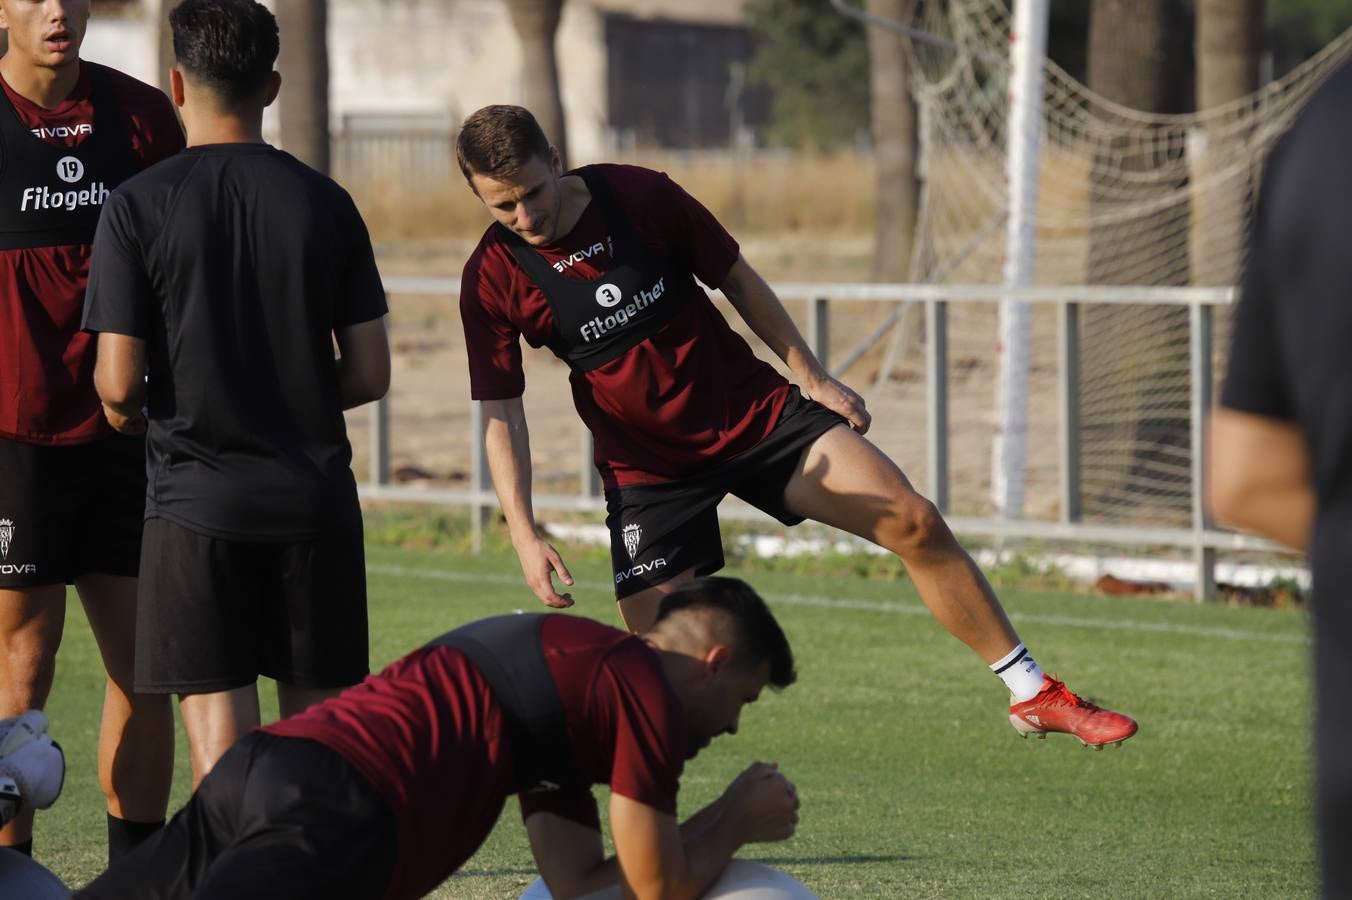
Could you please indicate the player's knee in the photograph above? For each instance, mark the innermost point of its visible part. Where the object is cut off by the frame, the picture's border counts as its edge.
(31, 667)
(915, 526)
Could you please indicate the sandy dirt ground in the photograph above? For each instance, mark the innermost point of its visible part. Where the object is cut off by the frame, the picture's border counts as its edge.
(430, 406)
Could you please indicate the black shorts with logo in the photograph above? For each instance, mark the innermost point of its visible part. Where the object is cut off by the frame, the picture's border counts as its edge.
(276, 817)
(68, 511)
(658, 531)
(214, 614)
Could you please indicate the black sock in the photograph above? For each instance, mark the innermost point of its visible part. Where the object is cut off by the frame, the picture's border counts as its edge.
(125, 835)
(26, 848)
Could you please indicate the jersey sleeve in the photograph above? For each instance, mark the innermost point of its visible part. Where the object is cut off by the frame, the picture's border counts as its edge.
(697, 238)
(152, 125)
(649, 727)
(362, 296)
(492, 341)
(119, 294)
(1255, 381)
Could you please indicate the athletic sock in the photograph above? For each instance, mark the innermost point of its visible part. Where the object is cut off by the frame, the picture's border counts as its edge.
(125, 835)
(26, 848)
(1020, 673)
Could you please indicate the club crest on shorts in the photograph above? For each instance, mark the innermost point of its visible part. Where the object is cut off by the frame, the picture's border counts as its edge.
(631, 534)
(7, 535)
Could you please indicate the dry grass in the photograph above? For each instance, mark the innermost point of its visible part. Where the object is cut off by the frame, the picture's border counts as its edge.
(757, 194)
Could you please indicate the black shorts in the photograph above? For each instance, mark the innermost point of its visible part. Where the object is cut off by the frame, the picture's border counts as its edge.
(70, 511)
(658, 531)
(214, 614)
(276, 817)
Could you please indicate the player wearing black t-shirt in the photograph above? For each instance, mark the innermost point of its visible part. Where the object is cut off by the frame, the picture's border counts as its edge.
(1281, 441)
(226, 273)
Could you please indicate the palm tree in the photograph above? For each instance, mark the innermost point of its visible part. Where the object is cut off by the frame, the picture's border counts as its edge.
(164, 46)
(1131, 358)
(1227, 44)
(536, 23)
(892, 121)
(303, 106)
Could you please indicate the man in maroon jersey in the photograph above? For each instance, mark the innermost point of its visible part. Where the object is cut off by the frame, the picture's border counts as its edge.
(599, 264)
(387, 789)
(71, 490)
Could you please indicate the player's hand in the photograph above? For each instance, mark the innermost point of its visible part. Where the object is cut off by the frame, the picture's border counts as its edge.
(840, 399)
(133, 425)
(762, 804)
(539, 563)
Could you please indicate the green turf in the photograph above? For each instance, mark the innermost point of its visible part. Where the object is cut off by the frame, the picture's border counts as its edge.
(913, 784)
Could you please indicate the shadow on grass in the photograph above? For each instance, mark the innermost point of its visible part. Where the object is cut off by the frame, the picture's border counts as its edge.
(767, 860)
(828, 860)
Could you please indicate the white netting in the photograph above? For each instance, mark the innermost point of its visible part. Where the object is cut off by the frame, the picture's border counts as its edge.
(1124, 198)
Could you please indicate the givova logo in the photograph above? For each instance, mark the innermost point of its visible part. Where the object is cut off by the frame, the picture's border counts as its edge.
(70, 170)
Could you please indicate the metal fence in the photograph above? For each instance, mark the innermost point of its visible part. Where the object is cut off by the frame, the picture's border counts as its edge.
(823, 302)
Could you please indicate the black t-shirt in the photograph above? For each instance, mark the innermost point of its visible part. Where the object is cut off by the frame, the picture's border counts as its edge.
(1292, 360)
(236, 263)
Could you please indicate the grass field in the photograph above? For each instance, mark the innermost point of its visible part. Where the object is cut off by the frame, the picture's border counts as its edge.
(912, 781)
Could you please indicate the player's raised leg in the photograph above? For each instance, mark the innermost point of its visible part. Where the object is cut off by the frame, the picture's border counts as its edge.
(845, 481)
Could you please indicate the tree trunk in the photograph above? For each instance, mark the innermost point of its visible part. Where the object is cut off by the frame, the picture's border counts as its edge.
(536, 23)
(1227, 47)
(1135, 419)
(892, 120)
(303, 106)
(892, 124)
(164, 44)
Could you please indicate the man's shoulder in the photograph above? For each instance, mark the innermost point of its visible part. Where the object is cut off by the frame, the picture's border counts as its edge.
(625, 178)
(132, 92)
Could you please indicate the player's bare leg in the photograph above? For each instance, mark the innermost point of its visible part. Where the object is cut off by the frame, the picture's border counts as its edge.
(136, 735)
(639, 610)
(31, 624)
(292, 699)
(214, 721)
(845, 481)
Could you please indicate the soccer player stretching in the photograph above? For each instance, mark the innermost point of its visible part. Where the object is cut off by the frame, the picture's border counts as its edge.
(599, 264)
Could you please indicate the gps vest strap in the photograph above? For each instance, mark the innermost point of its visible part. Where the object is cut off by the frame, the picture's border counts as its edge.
(599, 319)
(50, 194)
(507, 651)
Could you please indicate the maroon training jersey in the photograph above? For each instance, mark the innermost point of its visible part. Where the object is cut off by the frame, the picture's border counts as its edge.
(46, 362)
(690, 396)
(430, 738)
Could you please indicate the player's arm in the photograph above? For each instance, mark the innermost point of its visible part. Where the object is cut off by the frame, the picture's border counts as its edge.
(363, 362)
(507, 447)
(1259, 476)
(759, 805)
(757, 304)
(120, 380)
(658, 859)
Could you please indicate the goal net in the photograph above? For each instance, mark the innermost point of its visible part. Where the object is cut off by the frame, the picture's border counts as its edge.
(1124, 198)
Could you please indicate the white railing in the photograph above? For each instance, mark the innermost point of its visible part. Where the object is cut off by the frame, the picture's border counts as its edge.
(1201, 538)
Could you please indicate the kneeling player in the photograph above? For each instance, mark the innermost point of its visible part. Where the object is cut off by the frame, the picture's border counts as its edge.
(387, 789)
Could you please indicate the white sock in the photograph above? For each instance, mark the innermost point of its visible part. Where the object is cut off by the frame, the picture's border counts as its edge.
(1020, 673)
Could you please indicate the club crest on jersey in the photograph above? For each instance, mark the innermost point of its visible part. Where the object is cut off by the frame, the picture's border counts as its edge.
(631, 534)
(6, 537)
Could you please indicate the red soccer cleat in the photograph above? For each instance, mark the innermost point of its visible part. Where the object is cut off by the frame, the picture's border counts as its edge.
(1055, 708)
